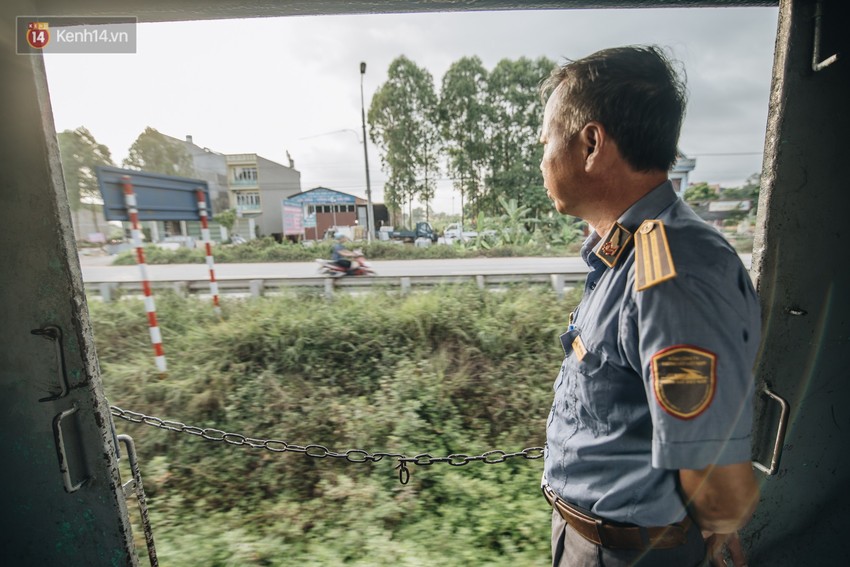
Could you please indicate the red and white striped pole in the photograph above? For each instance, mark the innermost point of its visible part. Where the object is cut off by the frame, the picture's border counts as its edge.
(150, 306)
(205, 236)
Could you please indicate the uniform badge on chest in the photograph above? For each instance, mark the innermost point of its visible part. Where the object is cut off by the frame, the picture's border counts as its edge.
(579, 349)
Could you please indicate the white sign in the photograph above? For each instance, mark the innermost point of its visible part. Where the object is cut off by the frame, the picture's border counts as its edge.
(724, 206)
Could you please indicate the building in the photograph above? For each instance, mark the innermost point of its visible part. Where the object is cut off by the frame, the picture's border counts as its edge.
(212, 168)
(246, 183)
(679, 172)
(252, 185)
(257, 188)
(325, 209)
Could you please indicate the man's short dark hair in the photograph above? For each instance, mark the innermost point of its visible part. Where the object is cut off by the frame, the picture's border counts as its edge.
(634, 92)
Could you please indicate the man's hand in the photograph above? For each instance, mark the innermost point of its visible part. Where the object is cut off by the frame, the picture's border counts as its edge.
(716, 544)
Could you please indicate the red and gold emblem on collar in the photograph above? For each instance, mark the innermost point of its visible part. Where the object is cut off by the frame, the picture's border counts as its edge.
(611, 247)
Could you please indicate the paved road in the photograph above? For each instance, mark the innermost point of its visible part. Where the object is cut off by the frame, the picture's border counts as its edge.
(96, 268)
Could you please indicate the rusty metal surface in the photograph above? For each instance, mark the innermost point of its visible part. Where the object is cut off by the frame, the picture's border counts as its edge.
(168, 10)
(62, 499)
(800, 257)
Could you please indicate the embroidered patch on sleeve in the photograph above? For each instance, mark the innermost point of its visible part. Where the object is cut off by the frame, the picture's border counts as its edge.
(684, 378)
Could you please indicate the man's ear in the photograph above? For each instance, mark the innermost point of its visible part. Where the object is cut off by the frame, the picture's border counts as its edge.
(593, 138)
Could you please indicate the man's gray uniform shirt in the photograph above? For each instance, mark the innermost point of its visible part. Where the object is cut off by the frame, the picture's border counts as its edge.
(620, 425)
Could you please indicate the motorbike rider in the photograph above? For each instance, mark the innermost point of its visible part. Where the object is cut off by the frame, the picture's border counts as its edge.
(342, 256)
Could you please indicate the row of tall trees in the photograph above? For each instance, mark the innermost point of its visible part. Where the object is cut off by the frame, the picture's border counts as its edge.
(481, 130)
(81, 153)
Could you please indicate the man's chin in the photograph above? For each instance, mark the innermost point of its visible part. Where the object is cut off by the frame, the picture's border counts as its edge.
(555, 203)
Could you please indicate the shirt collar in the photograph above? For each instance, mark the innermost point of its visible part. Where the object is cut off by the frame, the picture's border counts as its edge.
(587, 249)
(649, 206)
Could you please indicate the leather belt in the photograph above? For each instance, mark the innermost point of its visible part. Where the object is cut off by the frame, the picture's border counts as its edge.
(615, 535)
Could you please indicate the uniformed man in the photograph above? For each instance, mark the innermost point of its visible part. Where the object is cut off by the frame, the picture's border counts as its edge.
(648, 439)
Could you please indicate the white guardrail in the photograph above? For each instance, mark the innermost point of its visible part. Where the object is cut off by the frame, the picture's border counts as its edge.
(260, 287)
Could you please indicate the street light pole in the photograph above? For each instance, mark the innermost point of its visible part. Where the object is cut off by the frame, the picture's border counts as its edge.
(370, 213)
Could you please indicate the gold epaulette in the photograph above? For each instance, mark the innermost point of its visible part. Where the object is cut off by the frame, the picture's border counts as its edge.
(653, 261)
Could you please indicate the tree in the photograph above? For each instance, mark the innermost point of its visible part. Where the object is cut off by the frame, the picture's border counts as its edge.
(157, 153)
(463, 113)
(429, 159)
(515, 121)
(402, 120)
(515, 221)
(226, 218)
(80, 153)
(699, 192)
(749, 190)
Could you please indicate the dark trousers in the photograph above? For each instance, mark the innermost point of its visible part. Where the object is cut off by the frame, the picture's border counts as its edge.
(569, 549)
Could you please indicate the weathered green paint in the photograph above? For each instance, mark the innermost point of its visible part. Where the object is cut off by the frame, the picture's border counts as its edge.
(41, 285)
(801, 257)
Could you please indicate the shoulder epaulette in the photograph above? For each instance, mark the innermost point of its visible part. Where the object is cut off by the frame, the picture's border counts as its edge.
(653, 261)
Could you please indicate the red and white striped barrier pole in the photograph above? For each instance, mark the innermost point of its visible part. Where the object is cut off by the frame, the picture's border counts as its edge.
(205, 236)
(150, 306)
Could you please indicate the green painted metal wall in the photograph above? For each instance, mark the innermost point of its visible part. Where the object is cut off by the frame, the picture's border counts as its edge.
(46, 520)
(804, 278)
(800, 260)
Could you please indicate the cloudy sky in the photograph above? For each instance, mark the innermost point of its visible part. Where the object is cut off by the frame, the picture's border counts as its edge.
(269, 86)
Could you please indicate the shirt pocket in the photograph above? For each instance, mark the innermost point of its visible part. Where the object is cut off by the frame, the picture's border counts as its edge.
(556, 387)
(563, 423)
(593, 393)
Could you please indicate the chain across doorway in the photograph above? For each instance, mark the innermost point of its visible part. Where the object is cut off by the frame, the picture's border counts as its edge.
(320, 451)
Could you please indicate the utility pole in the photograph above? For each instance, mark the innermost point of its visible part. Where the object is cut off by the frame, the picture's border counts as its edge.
(370, 213)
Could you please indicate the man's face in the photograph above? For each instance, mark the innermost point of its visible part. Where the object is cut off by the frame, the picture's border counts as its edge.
(560, 167)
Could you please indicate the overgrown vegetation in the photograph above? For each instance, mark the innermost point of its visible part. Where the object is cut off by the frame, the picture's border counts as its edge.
(514, 233)
(481, 128)
(268, 250)
(455, 370)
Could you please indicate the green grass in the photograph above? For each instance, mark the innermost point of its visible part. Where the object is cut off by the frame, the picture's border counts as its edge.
(454, 370)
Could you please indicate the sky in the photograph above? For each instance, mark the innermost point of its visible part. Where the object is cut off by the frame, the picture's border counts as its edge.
(277, 85)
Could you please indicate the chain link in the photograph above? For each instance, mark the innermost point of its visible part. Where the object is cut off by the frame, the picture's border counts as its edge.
(320, 451)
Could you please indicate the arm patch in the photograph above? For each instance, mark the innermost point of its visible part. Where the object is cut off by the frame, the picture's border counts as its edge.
(653, 261)
(684, 379)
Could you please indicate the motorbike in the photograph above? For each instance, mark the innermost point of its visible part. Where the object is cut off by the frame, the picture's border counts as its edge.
(360, 267)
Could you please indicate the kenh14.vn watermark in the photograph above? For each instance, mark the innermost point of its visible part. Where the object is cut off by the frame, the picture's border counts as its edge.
(62, 34)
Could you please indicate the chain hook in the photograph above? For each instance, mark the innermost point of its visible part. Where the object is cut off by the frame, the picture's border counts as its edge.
(403, 472)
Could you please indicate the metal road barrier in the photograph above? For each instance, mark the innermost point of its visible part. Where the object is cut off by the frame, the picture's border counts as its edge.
(260, 287)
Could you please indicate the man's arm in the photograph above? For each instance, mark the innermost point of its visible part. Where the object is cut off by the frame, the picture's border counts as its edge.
(721, 499)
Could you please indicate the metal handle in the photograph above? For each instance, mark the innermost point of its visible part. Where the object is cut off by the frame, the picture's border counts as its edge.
(62, 454)
(135, 484)
(817, 64)
(54, 333)
(780, 434)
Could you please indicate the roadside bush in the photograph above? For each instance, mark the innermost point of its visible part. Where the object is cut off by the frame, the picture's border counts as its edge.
(454, 370)
(268, 250)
